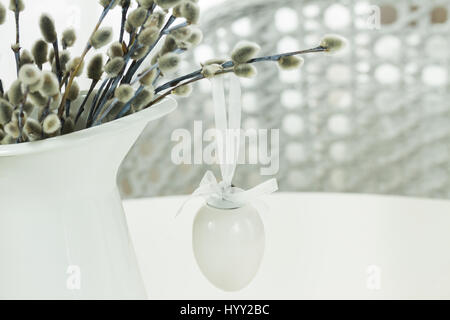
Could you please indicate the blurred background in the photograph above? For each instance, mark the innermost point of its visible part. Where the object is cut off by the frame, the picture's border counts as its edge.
(374, 119)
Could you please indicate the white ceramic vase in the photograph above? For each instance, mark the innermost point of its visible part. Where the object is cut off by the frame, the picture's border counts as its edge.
(63, 233)
(229, 245)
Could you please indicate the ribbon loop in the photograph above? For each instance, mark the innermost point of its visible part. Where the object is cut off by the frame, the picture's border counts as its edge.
(223, 195)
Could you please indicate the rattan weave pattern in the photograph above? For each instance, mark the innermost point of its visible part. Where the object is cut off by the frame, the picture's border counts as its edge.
(375, 119)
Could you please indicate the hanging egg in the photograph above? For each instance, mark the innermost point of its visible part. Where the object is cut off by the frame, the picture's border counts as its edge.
(229, 245)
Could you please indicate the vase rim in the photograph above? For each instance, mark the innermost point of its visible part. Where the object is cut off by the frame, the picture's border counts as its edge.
(157, 111)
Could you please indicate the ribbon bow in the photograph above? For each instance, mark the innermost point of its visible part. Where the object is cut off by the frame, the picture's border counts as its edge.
(223, 195)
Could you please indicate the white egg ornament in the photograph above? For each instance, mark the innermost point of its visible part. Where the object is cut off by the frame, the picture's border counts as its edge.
(229, 245)
(228, 233)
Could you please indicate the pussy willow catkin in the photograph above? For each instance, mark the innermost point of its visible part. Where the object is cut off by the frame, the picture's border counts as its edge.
(136, 71)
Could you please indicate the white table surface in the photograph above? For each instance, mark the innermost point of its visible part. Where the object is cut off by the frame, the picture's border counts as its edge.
(318, 246)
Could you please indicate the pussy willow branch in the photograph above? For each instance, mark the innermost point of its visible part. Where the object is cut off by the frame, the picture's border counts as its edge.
(197, 75)
(127, 106)
(125, 9)
(64, 80)
(17, 48)
(191, 77)
(174, 28)
(83, 104)
(59, 72)
(231, 64)
(94, 101)
(105, 113)
(83, 56)
(45, 112)
(136, 65)
(133, 47)
(198, 78)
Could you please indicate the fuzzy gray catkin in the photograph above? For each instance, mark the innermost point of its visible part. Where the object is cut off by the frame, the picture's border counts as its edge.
(48, 30)
(155, 58)
(116, 108)
(38, 99)
(29, 74)
(55, 101)
(139, 53)
(49, 84)
(137, 17)
(124, 93)
(182, 33)
(6, 111)
(73, 64)
(333, 43)
(20, 5)
(128, 27)
(245, 70)
(211, 70)
(156, 19)
(51, 124)
(244, 51)
(170, 45)
(196, 37)
(184, 45)
(51, 55)
(32, 130)
(167, 4)
(15, 47)
(290, 62)
(69, 37)
(95, 67)
(147, 4)
(115, 50)
(168, 62)
(35, 87)
(8, 140)
(74, 92)
(40, 52)
(143, 99)
(28, 107)
(148, 36)
(68, 126)
(114, 67)
(26, 58)
(183, 91)
(12, 129)
(176, 10)
(148, 78)
(2, 14)
(15, 93)
(190, 11)
(101, 37)
(64, 59)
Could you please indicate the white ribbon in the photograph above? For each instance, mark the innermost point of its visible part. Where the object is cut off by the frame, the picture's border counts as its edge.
(223, 195)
